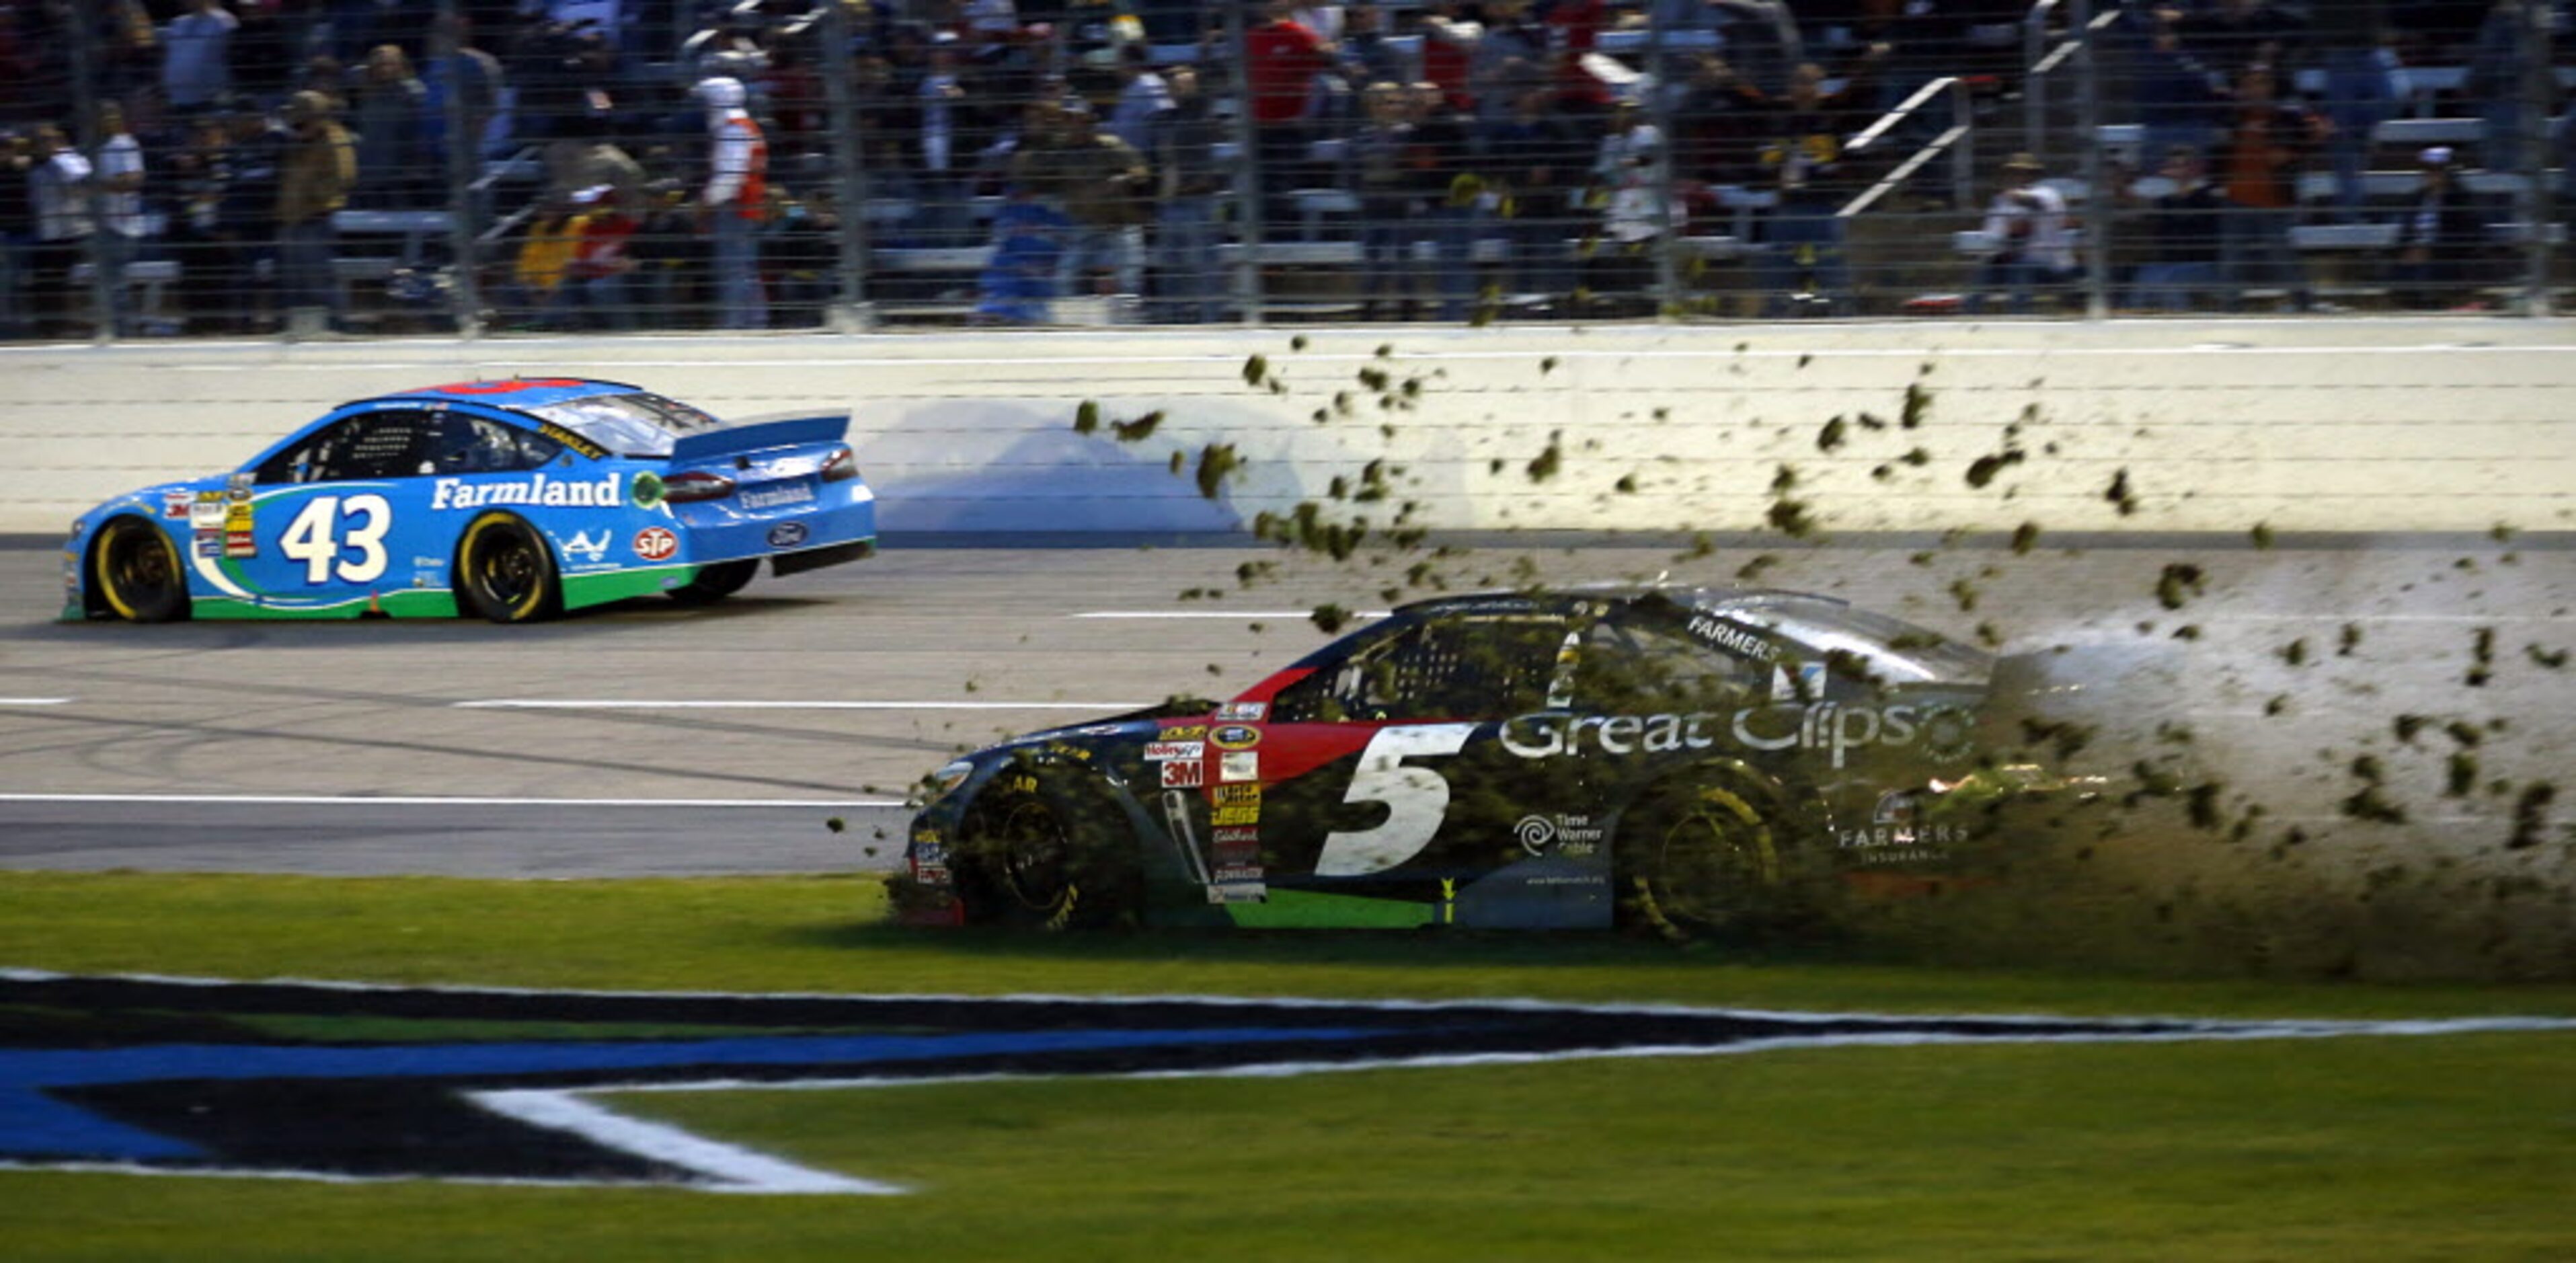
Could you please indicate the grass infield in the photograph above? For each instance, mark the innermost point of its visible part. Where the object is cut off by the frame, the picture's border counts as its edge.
(2381, 1148)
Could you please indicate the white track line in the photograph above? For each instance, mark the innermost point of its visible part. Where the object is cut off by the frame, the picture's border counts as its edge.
(35, 701)
(733, 1169)
(622, 703)
(407, 800)
(1306, 613)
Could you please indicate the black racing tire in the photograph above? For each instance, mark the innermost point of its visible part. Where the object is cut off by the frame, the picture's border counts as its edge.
(715, 583)
(1703, 858)
(505, 572)
(138, 573)
(1025, 858)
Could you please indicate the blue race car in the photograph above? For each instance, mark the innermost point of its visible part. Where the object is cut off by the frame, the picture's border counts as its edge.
(509, 499)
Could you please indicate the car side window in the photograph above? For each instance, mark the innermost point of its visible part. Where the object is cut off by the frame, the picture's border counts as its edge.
(1451, 668)
(390, 443)
(468, 444)
(1635, 666)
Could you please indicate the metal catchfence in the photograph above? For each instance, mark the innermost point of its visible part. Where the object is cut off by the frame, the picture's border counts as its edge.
(196, 167)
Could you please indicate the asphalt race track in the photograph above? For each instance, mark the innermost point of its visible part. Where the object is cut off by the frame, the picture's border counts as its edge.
(649, 739)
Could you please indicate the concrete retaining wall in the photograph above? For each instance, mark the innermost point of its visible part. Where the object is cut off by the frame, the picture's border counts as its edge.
(2435, 425)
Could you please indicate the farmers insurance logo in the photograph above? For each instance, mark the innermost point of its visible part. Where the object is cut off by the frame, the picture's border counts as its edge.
(346, 1082)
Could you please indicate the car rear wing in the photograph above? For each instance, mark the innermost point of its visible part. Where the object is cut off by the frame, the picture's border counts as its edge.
(752, 436)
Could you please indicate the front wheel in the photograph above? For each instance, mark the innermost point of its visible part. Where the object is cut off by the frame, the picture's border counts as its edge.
(1028, 861)
(1701, 859)
(504, 571)
(138, 572)
(715, 583)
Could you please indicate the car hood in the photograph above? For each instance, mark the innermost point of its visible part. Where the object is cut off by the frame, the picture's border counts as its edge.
(1135, 725)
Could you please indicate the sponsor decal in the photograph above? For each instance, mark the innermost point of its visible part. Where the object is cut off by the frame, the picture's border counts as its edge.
(1234, 874)
(1229, 795)
(1239, 765)
(1235, 737)
(648, 489)
(656, 543)
(237, 486)
(1896, 831)
(1166, 751)
(210, 546)
(1733, 639)
(1571, 836)
(1225, 837)
(207, 514)
(1243, 712)
(587, 546)
(1806, 685)
(187, 1076)
(1186, 732)
(1184, 775)
(1941, 731)
(174, 504)
(774, 495)
(571, 440)
(537, 489)
(787, 535)
(1244, 815)
(1238, 892)
(240, 544)
(239, 517)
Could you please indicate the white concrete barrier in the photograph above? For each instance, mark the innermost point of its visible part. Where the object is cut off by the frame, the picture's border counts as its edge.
(2430, 425)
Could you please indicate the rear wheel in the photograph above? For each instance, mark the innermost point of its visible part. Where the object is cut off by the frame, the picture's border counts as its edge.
(1028, 861)
(715, 583)
(504, 571)
(1701, 859)
(138, 572)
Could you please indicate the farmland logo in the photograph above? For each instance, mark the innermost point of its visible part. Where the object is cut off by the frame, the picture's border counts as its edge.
(594, 493)
(340, 1082)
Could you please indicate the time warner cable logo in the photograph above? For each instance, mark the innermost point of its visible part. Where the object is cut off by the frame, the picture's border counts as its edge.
(174, 1076)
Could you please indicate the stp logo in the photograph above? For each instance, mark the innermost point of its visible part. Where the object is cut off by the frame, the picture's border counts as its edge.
(656, 543)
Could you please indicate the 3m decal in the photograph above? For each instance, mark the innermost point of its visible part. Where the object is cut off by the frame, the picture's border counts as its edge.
(656, 543)
(1177, 775)
(201, 1077)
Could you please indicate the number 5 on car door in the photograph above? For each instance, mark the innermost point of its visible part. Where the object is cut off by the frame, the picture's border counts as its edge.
(1416, 799)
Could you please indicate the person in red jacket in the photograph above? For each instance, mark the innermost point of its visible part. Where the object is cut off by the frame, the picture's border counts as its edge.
(1282, 57)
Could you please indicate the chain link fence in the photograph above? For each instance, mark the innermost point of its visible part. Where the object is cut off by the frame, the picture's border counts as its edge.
(270, 168)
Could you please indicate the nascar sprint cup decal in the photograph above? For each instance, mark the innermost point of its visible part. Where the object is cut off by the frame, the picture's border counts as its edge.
(322, 1081)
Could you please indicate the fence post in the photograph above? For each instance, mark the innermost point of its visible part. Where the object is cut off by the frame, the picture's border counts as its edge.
(464, 286)
(850, 311)
(2538, 90)
(2100, 205)
(1659, 113)
(1248, 208)
(82, 27)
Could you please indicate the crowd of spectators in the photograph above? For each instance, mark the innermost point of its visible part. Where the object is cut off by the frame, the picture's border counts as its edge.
(651, 163)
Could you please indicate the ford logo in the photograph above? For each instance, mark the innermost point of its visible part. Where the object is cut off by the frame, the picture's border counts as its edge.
(787, 535)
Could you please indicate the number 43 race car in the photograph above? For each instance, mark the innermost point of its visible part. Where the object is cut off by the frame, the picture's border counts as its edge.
(1682, 760)
(510, 499)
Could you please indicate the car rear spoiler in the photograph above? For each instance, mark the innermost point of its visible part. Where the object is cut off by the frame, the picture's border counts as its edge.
(752, 436)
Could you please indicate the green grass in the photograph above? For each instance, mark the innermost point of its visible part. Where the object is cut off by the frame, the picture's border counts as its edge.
(2369, 1148)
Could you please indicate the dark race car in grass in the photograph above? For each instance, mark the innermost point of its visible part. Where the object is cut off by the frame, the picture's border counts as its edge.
(1676, 759)
(510, 499)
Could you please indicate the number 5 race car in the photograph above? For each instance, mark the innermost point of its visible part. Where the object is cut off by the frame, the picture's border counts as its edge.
(509, 499)
(1677, 759)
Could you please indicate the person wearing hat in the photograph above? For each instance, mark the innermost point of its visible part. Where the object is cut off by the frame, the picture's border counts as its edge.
(2028, 244)
(735, 201)
(315, 175)
(2438, 236)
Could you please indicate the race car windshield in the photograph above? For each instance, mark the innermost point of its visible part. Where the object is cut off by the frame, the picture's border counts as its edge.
(639, 424)
(1892, 650)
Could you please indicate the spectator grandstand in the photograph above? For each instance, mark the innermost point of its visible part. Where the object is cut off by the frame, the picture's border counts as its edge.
(298, 166)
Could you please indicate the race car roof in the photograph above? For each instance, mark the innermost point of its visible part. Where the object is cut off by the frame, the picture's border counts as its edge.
(514, 392)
